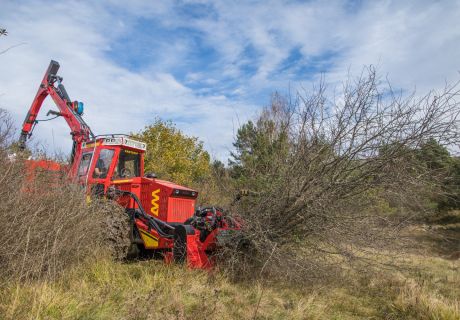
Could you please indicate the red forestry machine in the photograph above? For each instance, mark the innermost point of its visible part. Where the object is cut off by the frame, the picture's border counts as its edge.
(162, 214)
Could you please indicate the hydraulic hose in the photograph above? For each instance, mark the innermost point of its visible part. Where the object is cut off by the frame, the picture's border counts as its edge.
(152, 222)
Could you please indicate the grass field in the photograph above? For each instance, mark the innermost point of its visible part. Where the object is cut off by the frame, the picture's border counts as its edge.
(425, 285)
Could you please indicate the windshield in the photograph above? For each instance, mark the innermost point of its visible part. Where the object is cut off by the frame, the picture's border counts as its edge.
(103, 163)
(128, 165)
(84, 164)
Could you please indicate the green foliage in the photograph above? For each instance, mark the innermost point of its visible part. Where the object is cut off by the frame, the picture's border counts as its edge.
(452, 186)
(246, 146)
(219, 169)
(435, 156)
(172, 155)
(445, 168)
(258, 148)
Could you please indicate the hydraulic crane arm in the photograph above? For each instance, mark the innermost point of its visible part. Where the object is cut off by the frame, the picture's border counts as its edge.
(71, 111)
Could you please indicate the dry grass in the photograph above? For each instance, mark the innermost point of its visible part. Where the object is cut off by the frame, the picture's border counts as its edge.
(148, 290)
(418, 287)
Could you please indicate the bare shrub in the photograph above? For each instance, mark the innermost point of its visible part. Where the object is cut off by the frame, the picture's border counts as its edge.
(6, 129)
(46, 225)
(335, 179)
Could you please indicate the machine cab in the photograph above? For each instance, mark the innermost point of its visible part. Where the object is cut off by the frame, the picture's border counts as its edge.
(110, 159)
(118, 161)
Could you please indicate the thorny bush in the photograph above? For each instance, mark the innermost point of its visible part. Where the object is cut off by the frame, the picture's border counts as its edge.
(333, 180)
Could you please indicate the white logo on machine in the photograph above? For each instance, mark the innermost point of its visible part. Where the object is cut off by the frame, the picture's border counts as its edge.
(125, 142)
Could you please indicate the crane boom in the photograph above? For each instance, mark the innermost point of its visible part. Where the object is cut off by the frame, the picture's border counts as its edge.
(79, 130)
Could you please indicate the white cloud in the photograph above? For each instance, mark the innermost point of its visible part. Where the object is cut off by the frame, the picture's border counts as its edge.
(117, 100)
(415, 43)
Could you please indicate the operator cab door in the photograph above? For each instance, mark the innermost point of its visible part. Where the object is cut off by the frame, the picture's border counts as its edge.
(128, 165)
(102, 168)
(127, 173)
(83, 167)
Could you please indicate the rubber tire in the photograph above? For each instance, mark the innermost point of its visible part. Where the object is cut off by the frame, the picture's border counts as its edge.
(118, 235)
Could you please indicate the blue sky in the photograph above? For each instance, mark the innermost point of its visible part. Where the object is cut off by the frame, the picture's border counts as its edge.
(211, 65)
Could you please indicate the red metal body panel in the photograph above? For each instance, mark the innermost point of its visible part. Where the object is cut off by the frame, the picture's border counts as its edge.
(196, 255)
(159, 200)
(179, 209)
(50, 165)
(32, 168)
(163, 243)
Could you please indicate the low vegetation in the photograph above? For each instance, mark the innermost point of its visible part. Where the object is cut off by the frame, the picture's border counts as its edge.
(46, 224)
(418, 286)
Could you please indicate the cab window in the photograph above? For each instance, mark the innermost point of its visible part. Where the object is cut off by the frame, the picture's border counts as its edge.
(103, 163)
(128, 165)
(84, 164)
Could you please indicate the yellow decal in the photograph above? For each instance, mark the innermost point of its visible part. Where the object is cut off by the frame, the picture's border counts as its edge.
(91, 145)
(149, 240)
(155, 205)
(122, 181)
